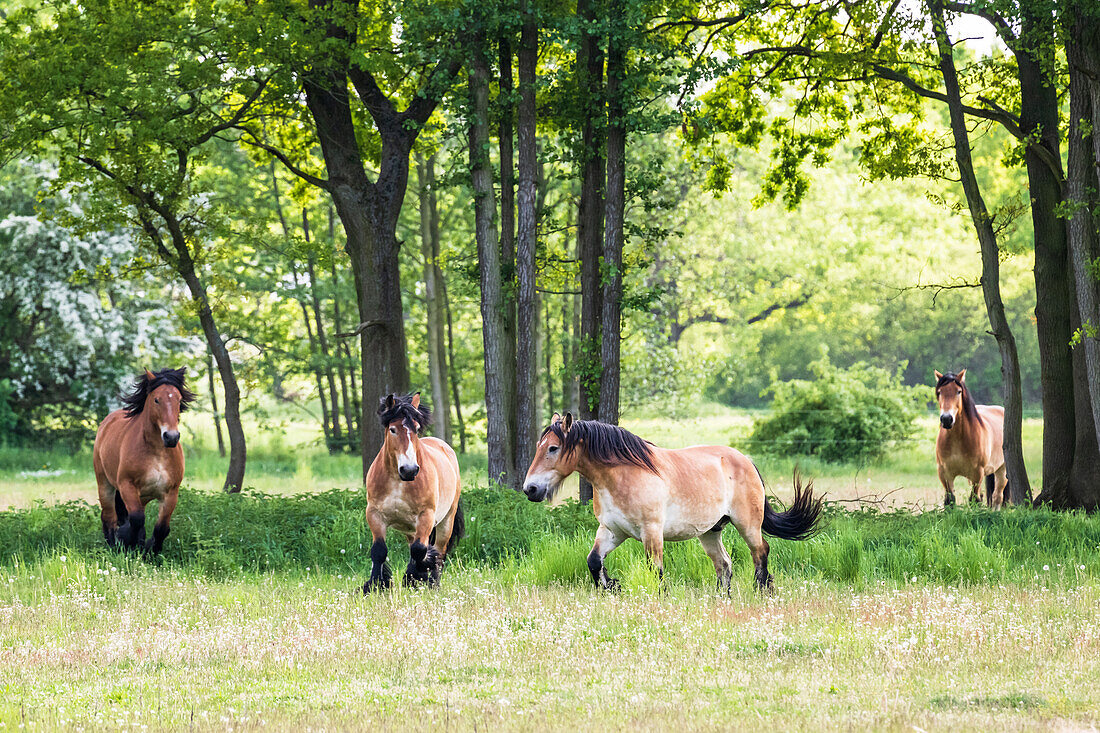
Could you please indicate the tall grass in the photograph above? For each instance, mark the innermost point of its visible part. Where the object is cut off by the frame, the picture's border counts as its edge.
(221, 535)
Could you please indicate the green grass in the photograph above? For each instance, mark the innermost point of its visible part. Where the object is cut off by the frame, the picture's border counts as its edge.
(253, 618)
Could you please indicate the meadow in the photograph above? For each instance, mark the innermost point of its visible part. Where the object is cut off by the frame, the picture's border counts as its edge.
(897, 616)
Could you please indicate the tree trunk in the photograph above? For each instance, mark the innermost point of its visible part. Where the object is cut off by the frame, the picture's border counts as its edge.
(429, 247)
(214, 404)
(185, 266)
(457, 400)
(611, 311)
(1083, 56)
(527, 329)
(501, 463)
(337, 437)
(369, 209)
(1039, 122)
(508, 236)
(590, 214)
(344, 357)
(305, 311)
(1019, 486)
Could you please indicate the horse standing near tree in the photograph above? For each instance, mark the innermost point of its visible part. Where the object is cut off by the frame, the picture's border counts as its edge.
(969, 443)
(414, 486)
(137, 458)
(654, 494)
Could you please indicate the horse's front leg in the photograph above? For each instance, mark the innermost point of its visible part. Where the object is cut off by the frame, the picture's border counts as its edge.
(380, 569)
(653, 539)
(424, 560)
(948, 487)
(160, 529)
(131, 533)
(606, 541)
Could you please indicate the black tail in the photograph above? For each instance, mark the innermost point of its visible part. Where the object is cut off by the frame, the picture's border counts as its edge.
(989, 490)
(458, 531)
(801, 521)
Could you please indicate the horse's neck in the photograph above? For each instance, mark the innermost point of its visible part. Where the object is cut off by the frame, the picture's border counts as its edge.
(150, 431)
(965, 427)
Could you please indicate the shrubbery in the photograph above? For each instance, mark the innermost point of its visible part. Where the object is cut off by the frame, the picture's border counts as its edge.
(843, 415)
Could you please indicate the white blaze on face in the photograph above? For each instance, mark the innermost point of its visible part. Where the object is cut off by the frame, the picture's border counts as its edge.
(407, 459)
(163, 430)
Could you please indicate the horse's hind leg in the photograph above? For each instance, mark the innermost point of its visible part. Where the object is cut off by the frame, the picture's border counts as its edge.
(110, 506)
(380, 569)
(716, 551)
(758, 546)
(1000, 481)
(606, 541)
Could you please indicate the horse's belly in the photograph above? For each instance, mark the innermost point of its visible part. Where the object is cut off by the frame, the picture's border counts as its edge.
(680, 526)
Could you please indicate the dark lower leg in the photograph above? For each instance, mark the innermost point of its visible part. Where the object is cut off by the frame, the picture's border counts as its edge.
(156, 542)
(760, 560)
(380, 570)
(132, 532)
(423, 564)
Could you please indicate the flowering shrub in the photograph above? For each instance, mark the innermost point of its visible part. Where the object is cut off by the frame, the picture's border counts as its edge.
(77, 319)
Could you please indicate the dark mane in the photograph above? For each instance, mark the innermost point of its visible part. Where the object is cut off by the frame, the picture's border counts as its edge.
(134, 402)
(402, 408)
(605, 443)
(969, 407)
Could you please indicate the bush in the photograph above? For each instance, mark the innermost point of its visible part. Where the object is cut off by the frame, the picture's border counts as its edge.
(842, 415)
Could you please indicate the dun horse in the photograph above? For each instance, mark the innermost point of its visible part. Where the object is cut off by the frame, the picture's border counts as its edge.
(969, 443)
(654, 494)
(414, 486)
(137, 458)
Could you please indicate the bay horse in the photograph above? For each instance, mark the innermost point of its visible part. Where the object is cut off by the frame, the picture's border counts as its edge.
(414, 486)
(137, 458)
(654, 495)
(970, 440)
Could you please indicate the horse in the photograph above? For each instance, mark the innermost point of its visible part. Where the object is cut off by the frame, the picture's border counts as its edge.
(137, 458)
(969, 443)
(654, 495)
(414, 486)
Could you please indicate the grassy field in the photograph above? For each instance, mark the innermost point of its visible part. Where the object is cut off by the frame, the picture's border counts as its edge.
(253, 617)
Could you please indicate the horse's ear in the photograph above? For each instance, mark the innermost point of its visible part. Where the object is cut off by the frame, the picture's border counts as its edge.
(416, 401)
(556, 417)
(962, 375)
(389, 402)
(937, 373)
(149, 376)
(567, 422)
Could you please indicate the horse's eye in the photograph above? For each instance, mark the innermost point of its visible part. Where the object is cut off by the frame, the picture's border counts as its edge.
(552, 449)
(393, 431)
(157, 400)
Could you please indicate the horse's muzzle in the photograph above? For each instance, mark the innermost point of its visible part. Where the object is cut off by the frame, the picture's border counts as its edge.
(535, 493)
(947, 421)
(171, 438)
(408, 473)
